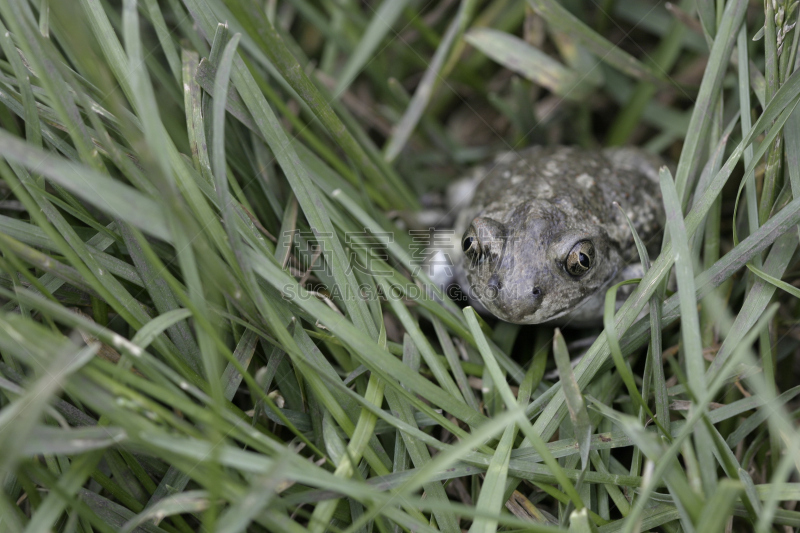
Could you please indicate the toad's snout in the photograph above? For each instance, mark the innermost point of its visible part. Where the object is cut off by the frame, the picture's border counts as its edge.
(511, 301)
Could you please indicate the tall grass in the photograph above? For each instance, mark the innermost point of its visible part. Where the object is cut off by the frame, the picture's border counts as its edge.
(213, 315)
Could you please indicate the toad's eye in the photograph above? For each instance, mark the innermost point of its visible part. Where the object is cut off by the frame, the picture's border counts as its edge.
(468, 244)
(580, 258)
(472, 248)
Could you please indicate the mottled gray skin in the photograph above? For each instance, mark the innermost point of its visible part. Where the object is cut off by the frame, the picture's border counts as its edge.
(530, 210)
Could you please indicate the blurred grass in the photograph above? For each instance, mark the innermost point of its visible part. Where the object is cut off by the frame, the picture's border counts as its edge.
(189, 193)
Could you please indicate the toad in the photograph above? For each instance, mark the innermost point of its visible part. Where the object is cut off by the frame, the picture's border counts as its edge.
(541, 237)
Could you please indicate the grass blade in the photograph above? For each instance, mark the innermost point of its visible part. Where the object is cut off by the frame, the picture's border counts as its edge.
(404, 128)
(532, 63)
(380, 25)
(577, 408)
(558, 17)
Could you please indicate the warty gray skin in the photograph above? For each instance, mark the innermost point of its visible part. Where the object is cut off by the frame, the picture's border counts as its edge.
(539, 214)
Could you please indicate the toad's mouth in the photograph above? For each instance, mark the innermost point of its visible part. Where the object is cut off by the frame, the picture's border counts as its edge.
(526, 319)
(588, 297)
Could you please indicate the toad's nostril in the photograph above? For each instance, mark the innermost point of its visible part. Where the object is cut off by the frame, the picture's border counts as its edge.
(536, 292)
(495, 283)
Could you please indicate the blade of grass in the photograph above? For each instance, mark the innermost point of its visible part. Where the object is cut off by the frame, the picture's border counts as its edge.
(164, 38)
(708, 95)
(510, 401)
(369, 353)
(163, 298)
(379, 26)
(579, 522)
(40, 56)
(424, 92)
(757, 300)
(455, 364)
(27, 410)
(236, 518)
(719, 506)
(33, 127)
(422, 344)
(729, 463)
(558, 17)
(158, 325)
(419, 454)
(794, 291)
(271, 43)
(515, 54)
(243, 353)
(575, 403)
(713, 385)
(323, 512)
(155, 136)
(654, 359)
(491, 498)
(305, 191)
(612, 339)
(193, 501)
(668, 51)
(690, 320)
(114, 198)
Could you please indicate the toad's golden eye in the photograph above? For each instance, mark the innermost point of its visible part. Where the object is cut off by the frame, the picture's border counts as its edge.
(580, 258)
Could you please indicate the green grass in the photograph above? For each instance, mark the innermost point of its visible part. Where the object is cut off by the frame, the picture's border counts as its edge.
(169, 365)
